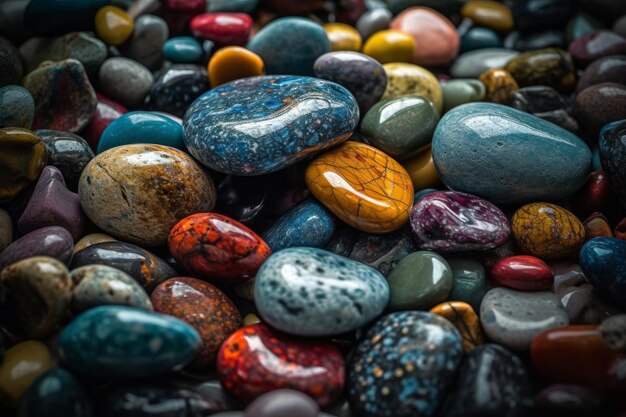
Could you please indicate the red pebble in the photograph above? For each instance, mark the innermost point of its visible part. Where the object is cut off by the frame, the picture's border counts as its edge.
(255, 360)
(197, 6)
(597, 225)
(523, 272)
(218, 248)
(593, 196)
(106, 111)
(223, 28)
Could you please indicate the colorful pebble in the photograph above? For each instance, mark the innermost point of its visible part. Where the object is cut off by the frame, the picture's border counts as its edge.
(232, 63)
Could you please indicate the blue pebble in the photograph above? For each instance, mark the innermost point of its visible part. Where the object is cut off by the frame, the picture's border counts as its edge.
(603, 260)
(612, 150)
(142, 127)
(182, 49)
(242, 6)
(423, 193)
(313, 292)
(17, 107)
(480, 38)
(307, 224)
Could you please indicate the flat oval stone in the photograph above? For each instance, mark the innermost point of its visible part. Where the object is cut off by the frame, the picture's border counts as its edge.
(502, 167)
(390, 45)
(419, 281)
(233, 63)
(362, 186)
(594, 45)
(363, 76)
(598, 105)
(550, 66)
(461, 91)
(514, 318)
(381, 251)
(479, 38)
(523, 273)
(466, 321)
(372, 21)
(610, 69)
(203, 306)
(177, 86)
(146, 43)
(488, 13)
(182, 50)
(603, 262)
(137, 193)
(282, 403)
(473, 63)
(52, 241)
(313, 292)
(343, 37)
(408, 79)
(312, 367)
(17, 107)
(22, 157)
(303, 42)
(129, 343)
(521, 41)
(227, 128)
(22, 364)
(68, 152)
(469, 281)
(125, 80)
(406, 349)
(613, 157)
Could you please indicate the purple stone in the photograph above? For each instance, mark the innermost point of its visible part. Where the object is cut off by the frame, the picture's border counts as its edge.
(594, 45)
(450, 221)
(283, 403)
(53, 241)
(52, 204)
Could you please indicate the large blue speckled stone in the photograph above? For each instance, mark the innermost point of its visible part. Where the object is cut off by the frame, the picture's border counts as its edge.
(603, 260)
(404, 366)
(313, 292)
(612, 147)
(508, 156)
(258, 125)
(122, 342)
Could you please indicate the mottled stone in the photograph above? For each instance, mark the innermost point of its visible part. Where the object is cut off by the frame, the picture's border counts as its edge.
(613, 157)
(594, 45)
(466, 321)
(67, 152)
(613, 331)
(598, 105)
(408, 79)
(177, 86)
(17, 107)
(52, 241)
(146, 43)
(473, 63)
(500, 85)
(125, 80)
(381, 251)
(550, 66)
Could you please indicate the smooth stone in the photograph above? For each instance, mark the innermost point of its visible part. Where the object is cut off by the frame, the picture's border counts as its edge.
(500, 85)
(449, 221)
(96, 285)
(597, 225)
(67, 152)
(610, 69)
(466, 321)
(404, 365)
(469, 283)
(233, 63)
(421, 169)
(580, 24)
(52, 241)
(436, 38)
(423, 193)
(146, 43)
(603, 262)
(381, 251)
(372, 21)
(182, 50)
(613, 157)
(17, 107)
(242, 6)
(6, 230)
(137, 193)
(313, 367)
(129, 343)
(64, 97)
(23, 363)
(343, 37)
(11, 64)
(177, 86)
(390, 45)
(550, 66)
(492, 381)
(461, 91)
(534, 15)
(362, 186)
(408, 79)
(307, 224)
(226, 129)
(546, 103)
(613, 331)
(92, 239)
(523, 273)
(514, 318)
(113, 25)
(523, 42)
(282, 403)
(419, 281)
(81, 46)
(473, 63)
(106, 111)
(303, 42)
(145, 267)
(313, 292)
(142, 127)
(141, 7)
(502, 164)
(363, 76)
(568, 400)
(479, 38)
(488, 13)
(400, 127)
(204, 307)
(56, 390)
(213, 391)
(594, 45)
(125, 80)
(598, 105)
(224, 29)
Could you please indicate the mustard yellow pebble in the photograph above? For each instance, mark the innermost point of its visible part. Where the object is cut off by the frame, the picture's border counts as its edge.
(113, 25)
(343, 37)
(404, 79)
(232, 63)
(390, 45)
(422, 171)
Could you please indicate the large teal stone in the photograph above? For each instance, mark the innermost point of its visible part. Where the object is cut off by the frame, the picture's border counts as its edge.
(603, 260)
(122, 342)
(508, 156)
(182, 49)
(142, 127)
(479, 38)
(290, 45)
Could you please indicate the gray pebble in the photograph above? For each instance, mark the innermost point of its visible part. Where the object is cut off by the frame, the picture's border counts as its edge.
(372, 21)
(125, 80)
(146, 44)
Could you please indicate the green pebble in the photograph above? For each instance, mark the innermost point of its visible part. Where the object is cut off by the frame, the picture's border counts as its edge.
(469, 281)
(461, 91)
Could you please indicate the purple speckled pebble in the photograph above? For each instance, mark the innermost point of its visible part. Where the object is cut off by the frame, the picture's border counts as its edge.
(53, 241)
(450, 221)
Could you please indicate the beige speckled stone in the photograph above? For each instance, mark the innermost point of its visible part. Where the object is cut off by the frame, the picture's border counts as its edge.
(404, 79)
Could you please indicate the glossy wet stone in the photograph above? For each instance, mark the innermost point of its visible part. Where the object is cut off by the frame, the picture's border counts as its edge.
(303, 42)
(176, 87)
(95, 285)
(307, 224)
(503, 167)
(599, 105)
(343, 37)
(523, 273)
(22, 157)
(551, 66)
(594, 196)
(363, 76)
(42, 290)
(11, 63)
(182, 50)
(22, 364)
(17, 107)
(125, 80)
(53, 241)
(591, 46)
(282, 403)
(312, 367)
(362, 186)
(385, 364)
(390, 45)
(92, 239)
(607, 69)
(613, 157)
(381, 251)
(488, 13)
(68, 152)
(514, 318)
(120, 186)
(204, 307)
(602, 260)
(473, 63)
(313, 292)
(597, 225)
(466, 321)
(408, 79)
(469, 281)
(492, 381)
(461, 91)
(546, 103)
(222, 28)
(500, 85)
(214, 129)
(129, 343)
(422, 171)
(146, 43)
(106, 111)
(113, 25)
(372, 21)
(568, 400)
(479, 38)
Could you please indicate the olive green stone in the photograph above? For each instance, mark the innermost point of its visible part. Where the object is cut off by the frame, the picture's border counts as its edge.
(461, 91)
(420, 281)
(401, 127)
(469, 281)
(550, 66)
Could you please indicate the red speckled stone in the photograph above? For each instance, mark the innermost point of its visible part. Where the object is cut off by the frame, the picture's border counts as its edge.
(106, 111)
(524, 273)
(216, 247)
(255, 360)
(222, 28)
(197, 6)
(204, 307)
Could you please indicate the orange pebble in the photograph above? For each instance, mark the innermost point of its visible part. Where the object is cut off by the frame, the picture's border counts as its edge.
(232, 63)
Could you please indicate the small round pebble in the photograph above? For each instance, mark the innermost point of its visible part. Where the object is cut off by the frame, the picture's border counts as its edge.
(17, 107)
(125, 80)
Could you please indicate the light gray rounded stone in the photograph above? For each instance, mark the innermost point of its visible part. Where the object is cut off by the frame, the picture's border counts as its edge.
(125, 80)
(473, 63)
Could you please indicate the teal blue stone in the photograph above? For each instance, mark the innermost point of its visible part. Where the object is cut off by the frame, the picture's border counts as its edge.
(479, 38)
(56, 393)
(17, 107)
(508, 156)
(469, 283)
(242, 6)
(603, 260)
(290, 45)
(142, 127)
(111, 342)
(596, 162)
(46, 15)
(183, 50)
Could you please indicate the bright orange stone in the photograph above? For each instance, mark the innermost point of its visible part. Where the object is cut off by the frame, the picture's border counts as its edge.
(113, 25)
(232, 63)
(466, 321)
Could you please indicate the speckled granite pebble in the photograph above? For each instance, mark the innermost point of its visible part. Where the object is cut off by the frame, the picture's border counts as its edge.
(17, 107)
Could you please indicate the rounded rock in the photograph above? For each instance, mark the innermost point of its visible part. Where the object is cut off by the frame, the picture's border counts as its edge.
(68, 152)
(113, 25)
(22, 364)
(603, 262)
(408, 79)
(523, 273)
(282, 403)
(233, 63)
(22, 157)
(125, 80)
(390, 45)
(17, 107)
(598, 105)
(343, 37)
(52, 241)
(466, 321)
(182, 50)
